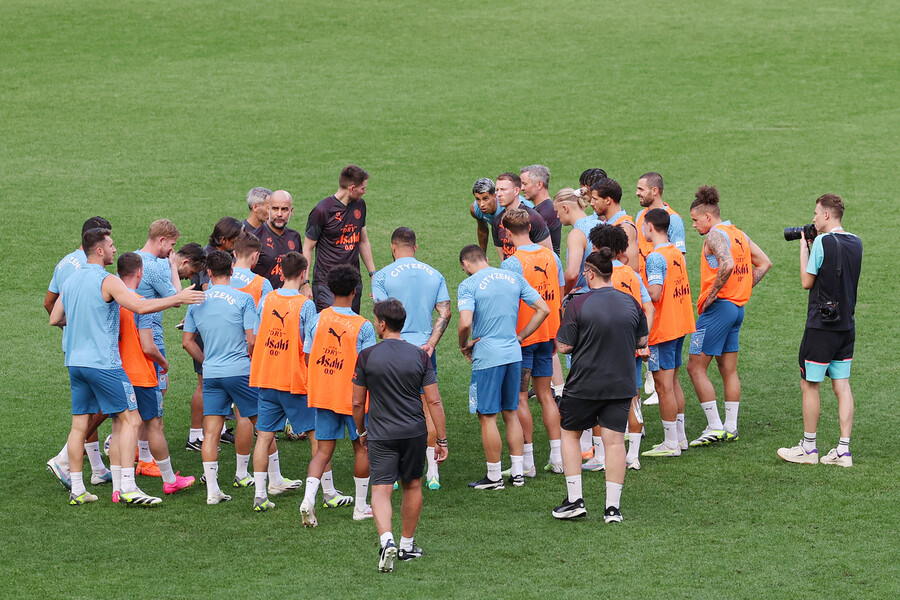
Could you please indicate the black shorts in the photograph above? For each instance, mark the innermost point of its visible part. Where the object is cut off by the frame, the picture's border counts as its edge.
(397, 460)
(823, 351)
(324, 298)
(577, 415)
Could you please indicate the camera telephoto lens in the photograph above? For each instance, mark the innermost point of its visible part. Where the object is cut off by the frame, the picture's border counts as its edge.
(793, 233)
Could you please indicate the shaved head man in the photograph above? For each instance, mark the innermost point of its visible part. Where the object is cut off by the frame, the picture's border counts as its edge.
(277, 238)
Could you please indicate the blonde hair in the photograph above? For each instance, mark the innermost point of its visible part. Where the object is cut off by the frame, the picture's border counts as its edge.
(163, 228)
(569, 195)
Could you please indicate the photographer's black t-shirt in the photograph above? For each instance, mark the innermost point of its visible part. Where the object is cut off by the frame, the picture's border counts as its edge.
(828, 287)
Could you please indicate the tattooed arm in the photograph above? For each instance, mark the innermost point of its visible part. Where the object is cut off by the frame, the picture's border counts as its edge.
(717, 245)
(440, 325)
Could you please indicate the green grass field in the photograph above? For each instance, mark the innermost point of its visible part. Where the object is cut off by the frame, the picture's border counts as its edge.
(137, 111)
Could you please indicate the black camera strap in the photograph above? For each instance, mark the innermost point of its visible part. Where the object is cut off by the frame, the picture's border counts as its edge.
(840, 263)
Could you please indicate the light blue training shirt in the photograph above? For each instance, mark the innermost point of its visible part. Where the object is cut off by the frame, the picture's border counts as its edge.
(221, 321)
(418, 286)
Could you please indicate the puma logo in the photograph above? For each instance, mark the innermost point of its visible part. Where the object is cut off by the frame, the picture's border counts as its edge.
(334, 333)
(542, 270)
(675, 263)
(625, 285)
(739, 242)
(280, 318)
(339, 217)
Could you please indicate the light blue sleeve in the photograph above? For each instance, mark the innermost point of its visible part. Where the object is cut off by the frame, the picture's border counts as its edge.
(379, 293)
(560, 270)
(645, 295)
(512, 264)
(366, 337)
(676, 233)
(656, 268)
(816, 256)
(310, 333)
(159, 277)
(465, 296)
(307, 315)
(527, 294)
(249, 313)
(189, 324)
(443, 294)
(143, 321)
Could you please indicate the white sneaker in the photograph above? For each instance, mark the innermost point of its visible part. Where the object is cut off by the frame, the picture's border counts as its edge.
(649, 385)
(653, 399)
(833, 458)
(307, 514)
(217, 498)
(362, 514)
(286, 485)
(683, 444)
(594, 464)
(798, 455)
(663, 450)
(634, 465)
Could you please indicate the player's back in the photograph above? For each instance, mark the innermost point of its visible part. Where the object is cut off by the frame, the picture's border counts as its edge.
(418, 286)
(222, 320)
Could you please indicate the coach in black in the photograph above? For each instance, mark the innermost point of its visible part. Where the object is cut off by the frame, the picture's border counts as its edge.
(601, 330)
(394, 373)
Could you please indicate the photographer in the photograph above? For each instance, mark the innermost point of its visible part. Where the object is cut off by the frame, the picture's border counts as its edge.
(830, 271)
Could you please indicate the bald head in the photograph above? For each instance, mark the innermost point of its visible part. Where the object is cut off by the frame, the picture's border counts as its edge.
(281, 207)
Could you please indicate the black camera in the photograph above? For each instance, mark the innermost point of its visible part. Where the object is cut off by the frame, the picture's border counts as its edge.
(793, 233)
(830, 312)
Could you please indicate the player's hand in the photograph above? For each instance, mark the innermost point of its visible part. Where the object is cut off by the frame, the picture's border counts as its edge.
(190, 296)
(644, 352)
(440, 453)
(306, 289)
(468, 348)
(163, 366)
(428, 348)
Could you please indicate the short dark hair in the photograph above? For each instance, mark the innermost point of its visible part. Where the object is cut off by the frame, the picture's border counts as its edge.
(92, 238)
(293, 264)
(706, 196)
(352, 175)
(196, 255)
(654, 180)
(601, 261)
(609, 236)
(128, 264)
(226, 228)
(392, 313)
(342, 280)
(246, 244)
(833, 204)
(659, 218)
(95, 223)
(608, 188)
(472, 253)
(513, 177)
(404, 236)
(219, 263)
(516, 220)
(591, 176)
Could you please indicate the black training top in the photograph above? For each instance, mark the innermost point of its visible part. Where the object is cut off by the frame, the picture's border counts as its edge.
(274, 247)
(337, 230)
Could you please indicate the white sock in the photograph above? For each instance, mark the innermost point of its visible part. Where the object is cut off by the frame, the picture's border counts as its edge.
(573, 487)
(93, 453)
(195, 435)
(328, 484)
(116, 477)
(63, 457)
(671, 435)
(144, 451)
(362, 491)
(432, 464)
(679, 426)
(517, 465)
(275, 469)
(557, 389)
(386, 537)
(634, 446)
(128, 482)
(211, 471)
(599, 450)
(312, 486)
(165, 468)
(528, 456)
(713, 421)
(243, 463)
(613, 494)
(493, 471)
(259, 481)
(556, 452)
(731, 414)
(843, 446)
(585, 440)
(406, 543)
(809, 441)
(77, 483)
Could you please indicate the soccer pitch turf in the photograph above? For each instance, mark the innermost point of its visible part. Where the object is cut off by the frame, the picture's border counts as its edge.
(137, 111)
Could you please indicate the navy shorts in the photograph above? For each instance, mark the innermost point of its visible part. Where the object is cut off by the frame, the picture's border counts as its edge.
(220, 392)
(666, 356)
(276, 406)
(717, 329)
(538, 358)
(149, 402)
(496, 388)
(106, 391)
